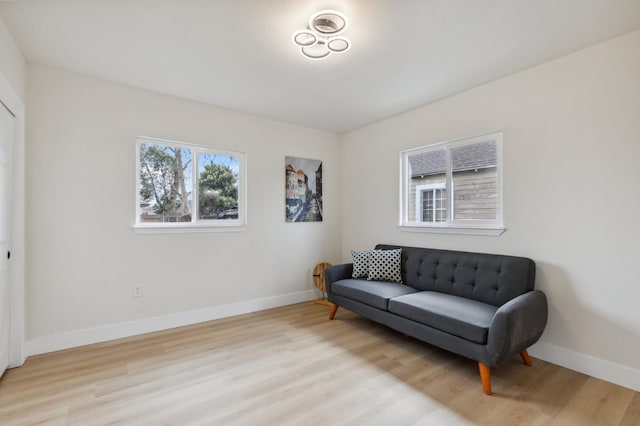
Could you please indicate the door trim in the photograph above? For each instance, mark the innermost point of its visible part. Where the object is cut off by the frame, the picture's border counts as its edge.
(18, 252)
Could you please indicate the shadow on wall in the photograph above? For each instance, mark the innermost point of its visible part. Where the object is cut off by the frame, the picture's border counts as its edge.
(585, 328)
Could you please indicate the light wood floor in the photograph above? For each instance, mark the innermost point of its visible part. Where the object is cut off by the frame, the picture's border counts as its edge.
(291, 366)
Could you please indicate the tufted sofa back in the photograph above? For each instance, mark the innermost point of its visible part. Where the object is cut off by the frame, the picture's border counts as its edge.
(489, 278)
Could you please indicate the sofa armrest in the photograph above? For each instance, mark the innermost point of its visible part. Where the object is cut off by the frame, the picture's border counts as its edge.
(516, 325)
(336, 273)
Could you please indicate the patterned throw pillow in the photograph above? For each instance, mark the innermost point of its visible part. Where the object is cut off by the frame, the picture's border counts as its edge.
(360, 263)
(384, 265)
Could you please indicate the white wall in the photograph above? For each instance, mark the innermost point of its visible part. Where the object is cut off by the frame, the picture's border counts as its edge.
(12, 63)
(572, 178)
(84, 256)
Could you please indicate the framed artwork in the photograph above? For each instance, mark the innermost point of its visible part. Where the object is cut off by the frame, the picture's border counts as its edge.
(303, 190)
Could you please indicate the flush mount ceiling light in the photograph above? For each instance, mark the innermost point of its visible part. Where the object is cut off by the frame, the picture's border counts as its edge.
(321, 38)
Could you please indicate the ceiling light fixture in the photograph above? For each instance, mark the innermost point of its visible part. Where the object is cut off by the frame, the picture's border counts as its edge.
(321, 38)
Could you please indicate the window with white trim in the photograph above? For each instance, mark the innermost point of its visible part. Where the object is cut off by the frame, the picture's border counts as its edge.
(181, 185)
(455, 184)
(431, 203)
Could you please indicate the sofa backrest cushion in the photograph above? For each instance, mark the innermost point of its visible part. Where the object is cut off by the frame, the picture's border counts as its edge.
(488, 278)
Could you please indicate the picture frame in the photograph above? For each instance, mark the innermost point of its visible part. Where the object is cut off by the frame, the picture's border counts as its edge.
(303, 190)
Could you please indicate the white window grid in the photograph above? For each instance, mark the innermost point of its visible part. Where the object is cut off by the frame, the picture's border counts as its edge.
(196, 224)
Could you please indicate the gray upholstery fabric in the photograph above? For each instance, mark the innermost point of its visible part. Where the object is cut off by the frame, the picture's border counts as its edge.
(516, 325)
(373, 293)
(456, 315)
(419, 331)
(493, 354)
(488, 278)
(336, 273)
(505, 282)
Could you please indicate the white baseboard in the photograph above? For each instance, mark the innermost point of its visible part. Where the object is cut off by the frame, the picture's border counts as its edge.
(587, 364)
(87, 336)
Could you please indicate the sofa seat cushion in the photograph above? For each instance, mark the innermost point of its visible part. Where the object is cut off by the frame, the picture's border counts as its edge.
(372, 293)
(465, 318)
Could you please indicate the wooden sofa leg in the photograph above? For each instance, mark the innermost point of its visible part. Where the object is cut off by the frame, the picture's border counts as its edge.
(525, 357)
(332, 314)
(485, 376)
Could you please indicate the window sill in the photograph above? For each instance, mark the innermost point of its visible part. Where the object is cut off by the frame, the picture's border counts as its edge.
(187, 229)
(493, 231)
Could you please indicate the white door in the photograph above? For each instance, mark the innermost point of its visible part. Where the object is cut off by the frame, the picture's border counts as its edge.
(6, 145)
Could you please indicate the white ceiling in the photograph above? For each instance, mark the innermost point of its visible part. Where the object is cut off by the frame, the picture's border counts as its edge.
(238, 54)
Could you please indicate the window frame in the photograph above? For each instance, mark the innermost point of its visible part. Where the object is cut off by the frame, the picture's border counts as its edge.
(196, 225)
(420, 190)
(493, 227)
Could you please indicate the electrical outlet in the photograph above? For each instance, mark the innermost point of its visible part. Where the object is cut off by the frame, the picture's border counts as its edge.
(137, 290)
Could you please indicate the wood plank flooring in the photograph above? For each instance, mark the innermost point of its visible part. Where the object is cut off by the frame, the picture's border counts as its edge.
(292, 366)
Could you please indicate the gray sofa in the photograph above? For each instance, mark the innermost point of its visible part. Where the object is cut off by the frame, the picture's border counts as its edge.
(480, 306)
